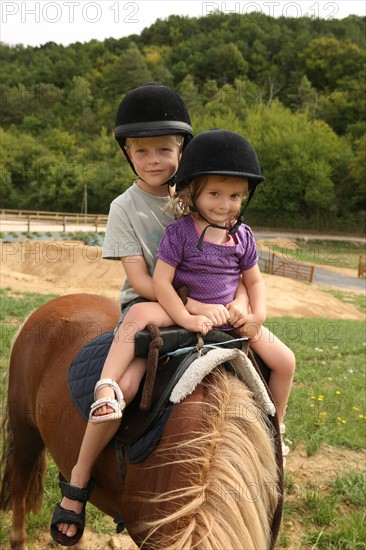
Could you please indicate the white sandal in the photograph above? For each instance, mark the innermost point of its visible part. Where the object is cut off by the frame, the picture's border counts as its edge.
(117, 404)
(285, 448)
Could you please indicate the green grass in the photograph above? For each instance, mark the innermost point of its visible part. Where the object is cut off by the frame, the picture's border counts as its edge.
(327, 403)
(343, 254)
(331, 517)
(327, 407)
(14, 308)
(357, 299)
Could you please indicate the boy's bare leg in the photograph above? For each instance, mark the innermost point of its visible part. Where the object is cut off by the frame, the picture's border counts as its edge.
(129, 375)
(96, 437)
(122, 351)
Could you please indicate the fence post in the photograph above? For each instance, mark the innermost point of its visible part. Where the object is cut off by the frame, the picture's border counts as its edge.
(361, 266)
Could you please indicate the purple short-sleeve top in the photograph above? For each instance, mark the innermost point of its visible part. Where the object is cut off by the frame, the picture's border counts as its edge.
(211, 274)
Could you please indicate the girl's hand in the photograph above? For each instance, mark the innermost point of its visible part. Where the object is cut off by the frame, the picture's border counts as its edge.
(249, 325)
(198, 323)
(216, 313)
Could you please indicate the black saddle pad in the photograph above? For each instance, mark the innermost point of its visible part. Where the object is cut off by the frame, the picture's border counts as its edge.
(140, 430)
(85, 370)
(84, 373)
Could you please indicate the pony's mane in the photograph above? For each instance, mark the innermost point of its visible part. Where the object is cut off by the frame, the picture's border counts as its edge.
(231, 491)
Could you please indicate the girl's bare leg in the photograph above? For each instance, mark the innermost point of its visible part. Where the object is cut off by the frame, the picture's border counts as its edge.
(281, 360)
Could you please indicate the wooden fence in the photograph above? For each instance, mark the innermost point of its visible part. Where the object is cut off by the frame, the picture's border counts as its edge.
(32, 217)
(287, 268)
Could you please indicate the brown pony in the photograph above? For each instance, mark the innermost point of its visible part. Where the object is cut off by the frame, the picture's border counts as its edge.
(210, 483)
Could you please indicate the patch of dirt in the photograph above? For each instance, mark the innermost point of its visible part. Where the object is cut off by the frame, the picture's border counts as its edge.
(324, 466)
(69, 267)
(92, 541)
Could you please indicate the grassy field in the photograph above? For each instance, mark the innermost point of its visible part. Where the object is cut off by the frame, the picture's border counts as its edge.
(327, 407)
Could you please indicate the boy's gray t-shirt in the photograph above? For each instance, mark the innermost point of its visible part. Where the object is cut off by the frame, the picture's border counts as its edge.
(136, 223)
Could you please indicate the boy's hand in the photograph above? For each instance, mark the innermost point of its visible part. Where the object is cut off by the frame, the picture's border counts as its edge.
(198, 323)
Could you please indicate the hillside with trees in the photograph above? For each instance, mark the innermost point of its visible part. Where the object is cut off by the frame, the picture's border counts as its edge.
(294, 87)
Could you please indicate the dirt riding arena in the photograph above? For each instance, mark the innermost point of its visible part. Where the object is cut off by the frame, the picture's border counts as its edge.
(67, 267)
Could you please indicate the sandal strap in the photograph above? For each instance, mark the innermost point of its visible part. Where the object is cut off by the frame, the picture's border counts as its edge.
(61, 515)
(285, 450)
(109, 382)
(75, 493)
(113, 403)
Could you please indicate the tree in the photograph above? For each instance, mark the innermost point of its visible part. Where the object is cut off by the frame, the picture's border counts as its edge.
(303, 162)
(129, 70)
(328, 60)
(358, 172)
(223, 63)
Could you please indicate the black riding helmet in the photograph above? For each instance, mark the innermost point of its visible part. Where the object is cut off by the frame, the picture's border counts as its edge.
(149, 111)
(223, 153)
(219, 152)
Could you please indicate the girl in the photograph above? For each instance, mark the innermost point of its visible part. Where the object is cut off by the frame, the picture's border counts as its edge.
(209, 248)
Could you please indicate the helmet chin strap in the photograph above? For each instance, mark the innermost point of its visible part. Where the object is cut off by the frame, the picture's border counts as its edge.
(232, 229)
(240, 219)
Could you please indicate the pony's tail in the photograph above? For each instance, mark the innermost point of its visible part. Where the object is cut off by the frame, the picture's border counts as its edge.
(9, 471)
(6, 458)
(232, 495)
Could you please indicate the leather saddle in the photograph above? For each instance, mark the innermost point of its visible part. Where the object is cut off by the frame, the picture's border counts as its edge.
(170, 352)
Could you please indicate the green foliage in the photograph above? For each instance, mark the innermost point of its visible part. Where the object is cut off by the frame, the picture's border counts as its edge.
(295, 87)
(352, 487)
(302, 160)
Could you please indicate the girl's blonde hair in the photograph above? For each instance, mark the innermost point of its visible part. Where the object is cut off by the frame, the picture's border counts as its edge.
(184, 201)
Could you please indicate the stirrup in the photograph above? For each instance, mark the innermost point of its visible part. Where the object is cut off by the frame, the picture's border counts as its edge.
(117, 404)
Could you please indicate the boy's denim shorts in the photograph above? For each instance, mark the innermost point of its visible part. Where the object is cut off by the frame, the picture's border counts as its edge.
(125, 308)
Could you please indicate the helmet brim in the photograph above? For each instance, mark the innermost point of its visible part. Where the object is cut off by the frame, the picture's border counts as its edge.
(153, 129)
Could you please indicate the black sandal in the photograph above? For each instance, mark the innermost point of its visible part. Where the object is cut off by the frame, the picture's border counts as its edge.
(61, 515)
